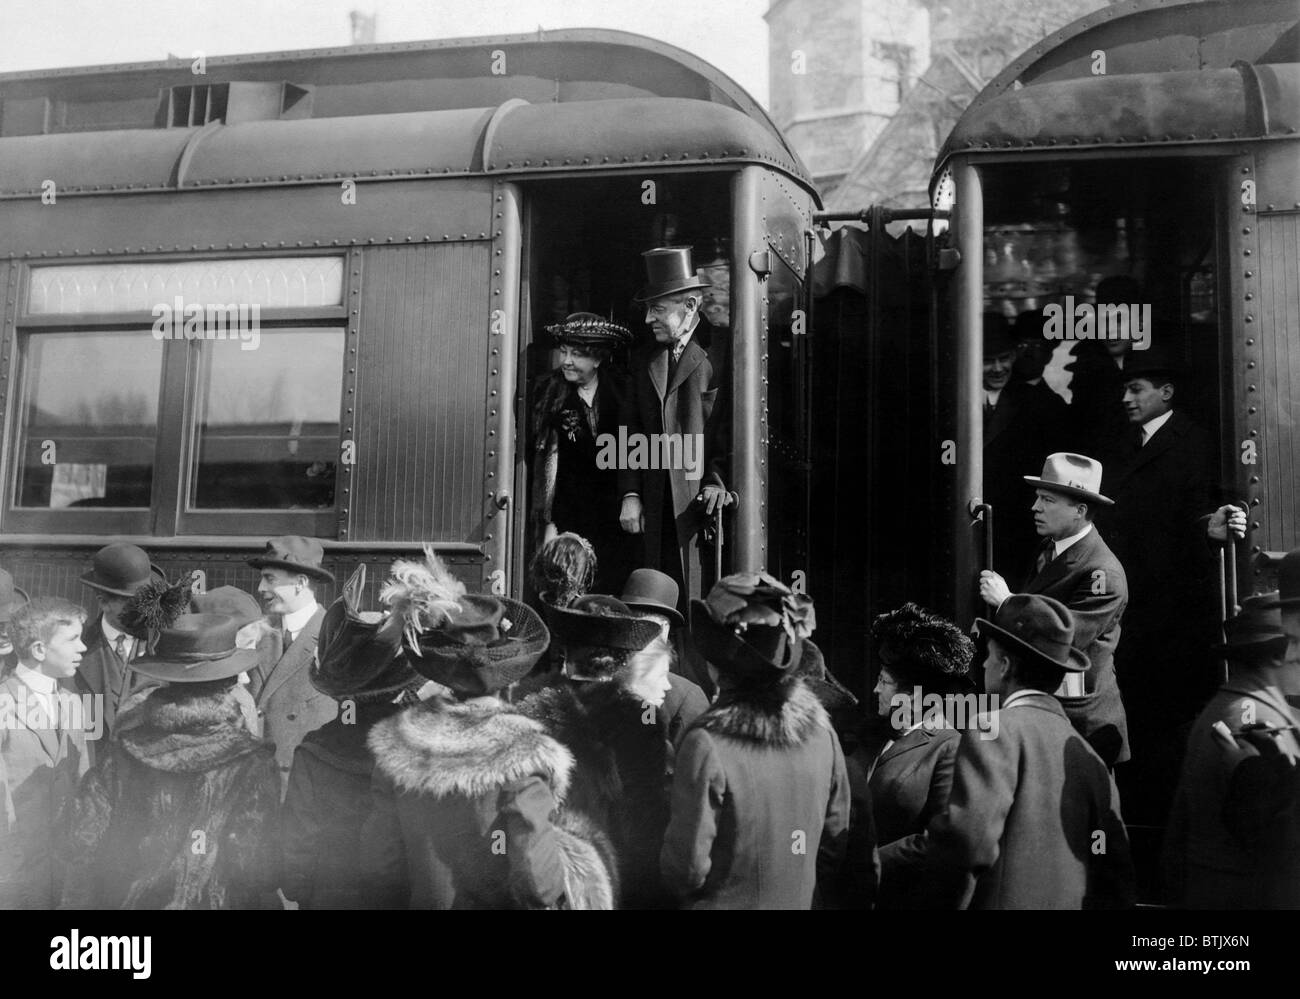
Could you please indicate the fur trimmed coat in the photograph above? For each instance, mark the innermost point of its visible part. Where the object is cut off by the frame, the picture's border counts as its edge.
(465, 796)
(760, 802)
(179, 814)
(622, 773)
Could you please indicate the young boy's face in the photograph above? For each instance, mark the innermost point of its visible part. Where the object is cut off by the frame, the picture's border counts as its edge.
(61, 655)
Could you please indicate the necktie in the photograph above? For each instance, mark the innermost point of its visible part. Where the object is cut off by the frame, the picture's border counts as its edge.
(286, 638)
(1045, 557)
(678, 347)
(119, 647)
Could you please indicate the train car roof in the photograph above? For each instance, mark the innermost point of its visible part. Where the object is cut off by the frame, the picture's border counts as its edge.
(572, 99)
(1164, 72)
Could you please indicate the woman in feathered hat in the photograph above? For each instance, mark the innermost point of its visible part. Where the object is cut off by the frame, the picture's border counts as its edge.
(466, 789)
(575, 405)
(607, 709)
(360, 662)
(760, 798)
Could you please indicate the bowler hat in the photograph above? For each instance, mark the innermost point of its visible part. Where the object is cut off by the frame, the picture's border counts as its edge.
(359, 654)
(11, 597)
(197, 648)
(668, 271)
(484, 644)
(1288, 582)
(600, 621)
(653, 591)
(752, 624)
(120, 569)
(294, 554)
(586, 329)
(1256, 629)
(1039, 626)
(1152, 361)
(998, 338)
(1071, 474)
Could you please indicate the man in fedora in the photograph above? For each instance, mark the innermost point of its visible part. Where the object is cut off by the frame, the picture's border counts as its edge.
(673, 390)
(288, 705)
(117, 573)
(1161, 481)
(1234, 829)
(1033, 819)
(654, 594)
(1075, 566)
(179, 813)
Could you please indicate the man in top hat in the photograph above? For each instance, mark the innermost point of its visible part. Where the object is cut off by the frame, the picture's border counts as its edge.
(654, 594)
(1161, 481)
(179, 812)
(1075, 566)
(673, 391)
(575, 407)
(1015, 429)
(760, 798)
(117, 573)
(287, 703)
(1033, 820)
(1101, 369)
(11, 598)
(1234, 829)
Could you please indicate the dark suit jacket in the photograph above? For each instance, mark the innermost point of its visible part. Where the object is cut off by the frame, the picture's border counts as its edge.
(1033, 818)
(287, 703)
(909, 787)
(1089, 580)
(654, 404)
(101, 673)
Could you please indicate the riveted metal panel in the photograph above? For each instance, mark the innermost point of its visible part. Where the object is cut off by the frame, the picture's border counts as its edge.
(421, 421)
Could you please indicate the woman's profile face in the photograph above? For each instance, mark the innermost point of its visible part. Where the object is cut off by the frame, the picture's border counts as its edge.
(577, 365)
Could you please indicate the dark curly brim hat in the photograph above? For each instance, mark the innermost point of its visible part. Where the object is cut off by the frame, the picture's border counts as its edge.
(932, 651)
(602, 622)
(359, 657)
(762, 649)
(586, 329)
(487, 645)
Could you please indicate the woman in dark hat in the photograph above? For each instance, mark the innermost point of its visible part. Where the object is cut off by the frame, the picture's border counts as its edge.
(574, 405)
(607, 709)
(466, 788)
(760, 799)
(907, 769)
(360, 663)
(179, 813)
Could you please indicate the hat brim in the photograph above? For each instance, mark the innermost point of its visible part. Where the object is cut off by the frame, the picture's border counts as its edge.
(1056, 487)
(652, 291)
(315, 571)
(93, 582)
(650, 607)
(173, 671)
(473, 670)
(573, 627)
(1075, 661)
(1229, 648)
(732, 654)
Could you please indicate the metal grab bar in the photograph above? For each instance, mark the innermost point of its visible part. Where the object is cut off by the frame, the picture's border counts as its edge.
(1228, 605)
(717, 541)
(984, 511)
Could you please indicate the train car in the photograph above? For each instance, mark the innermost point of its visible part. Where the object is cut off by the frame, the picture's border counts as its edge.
(304, 292)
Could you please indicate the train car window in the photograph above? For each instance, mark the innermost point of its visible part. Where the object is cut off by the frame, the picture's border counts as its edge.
(266, 423)
(89, 420)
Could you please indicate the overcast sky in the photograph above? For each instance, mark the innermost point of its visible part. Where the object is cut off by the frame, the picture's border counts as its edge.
(42, 34)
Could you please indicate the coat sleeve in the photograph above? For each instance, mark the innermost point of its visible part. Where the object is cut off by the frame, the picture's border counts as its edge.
(251, 842)
(911, 852)
(964, 838)
(300, 827)
(1094, 611)
(699, 788)
(536, 866)
(832, 850)
(1113, 880)
(90, 812)
(383, 854)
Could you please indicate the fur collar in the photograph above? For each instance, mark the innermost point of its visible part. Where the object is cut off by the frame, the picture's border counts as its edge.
(183, 733)
(442, 747)
(779, 715)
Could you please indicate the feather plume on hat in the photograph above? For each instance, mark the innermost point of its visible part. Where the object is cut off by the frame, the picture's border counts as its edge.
(422, 595)
(156, 606)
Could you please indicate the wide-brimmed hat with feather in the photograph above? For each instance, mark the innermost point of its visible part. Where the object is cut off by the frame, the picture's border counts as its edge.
(471, 643)
(586, 329)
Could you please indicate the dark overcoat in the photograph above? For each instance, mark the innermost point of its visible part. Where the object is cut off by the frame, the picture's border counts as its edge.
(103, 674)
(760, 803)
(1090, 581)
(1033, 819)
(1015, 445)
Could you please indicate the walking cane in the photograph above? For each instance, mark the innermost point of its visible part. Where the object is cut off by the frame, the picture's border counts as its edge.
(717, 544)
(1228, 608)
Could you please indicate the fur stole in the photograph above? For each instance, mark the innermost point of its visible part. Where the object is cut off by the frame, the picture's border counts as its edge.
(779, 715)
(441, 747)
(590, 866)
(183, 732)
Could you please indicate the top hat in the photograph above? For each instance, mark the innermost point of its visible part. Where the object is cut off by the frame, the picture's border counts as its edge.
(484, 644)
(11, 597)
(586, 329)
(1039, 626)
(1152, 361)
(196, 648)
(752, 624)
(1071, 474)
(601, 621)
(294, 554)
(998, 338)
(359, 654)
(653, 591)
(668, 271)
(120, 569)
(1288, 582)
(821, 681)
(1256, 629)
